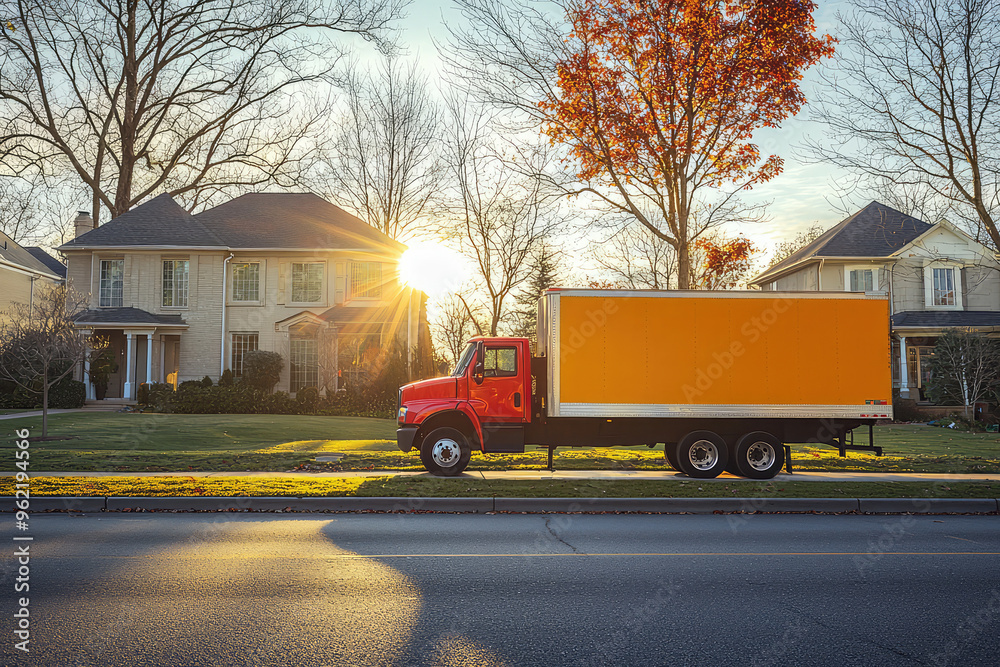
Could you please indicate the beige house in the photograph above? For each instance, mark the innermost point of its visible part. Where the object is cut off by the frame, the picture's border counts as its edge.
(183, 296)
(23, 270)
(937, 277)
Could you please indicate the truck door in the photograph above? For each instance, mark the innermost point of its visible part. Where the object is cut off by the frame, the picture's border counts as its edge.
(500, 398)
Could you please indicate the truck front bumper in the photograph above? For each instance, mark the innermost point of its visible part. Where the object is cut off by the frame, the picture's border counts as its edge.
(405, 436)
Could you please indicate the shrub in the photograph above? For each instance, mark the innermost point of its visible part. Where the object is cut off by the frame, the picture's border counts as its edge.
(227, 379)
(280, 403)
(160, 396)
(262, 369)
(307, 398)
(67, 394)
(207, 381)
(142, 394)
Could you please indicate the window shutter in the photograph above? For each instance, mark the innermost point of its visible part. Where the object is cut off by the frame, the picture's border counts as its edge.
(340, 284)
(282, 283)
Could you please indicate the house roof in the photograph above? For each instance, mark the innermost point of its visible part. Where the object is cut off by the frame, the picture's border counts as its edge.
(342, 315)
(13, 253)
(125, 316)
(280, 220)
(252, 221)
(945, 319)
(876, 230)
(158, 222)
(53, 264)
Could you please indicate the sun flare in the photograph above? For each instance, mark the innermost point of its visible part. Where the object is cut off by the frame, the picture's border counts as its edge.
(432, 268)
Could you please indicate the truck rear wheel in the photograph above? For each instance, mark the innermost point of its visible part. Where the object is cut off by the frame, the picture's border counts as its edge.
(670, 453)
(445, 451)
(702, 454)
(759, 455)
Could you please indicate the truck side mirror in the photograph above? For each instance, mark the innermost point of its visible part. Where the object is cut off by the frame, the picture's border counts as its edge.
(478, 369)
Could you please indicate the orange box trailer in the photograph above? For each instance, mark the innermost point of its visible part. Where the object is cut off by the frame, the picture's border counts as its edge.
(655, 354)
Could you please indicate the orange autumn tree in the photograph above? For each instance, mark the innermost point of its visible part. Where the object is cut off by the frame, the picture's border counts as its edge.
(657, 100)
(725, 263)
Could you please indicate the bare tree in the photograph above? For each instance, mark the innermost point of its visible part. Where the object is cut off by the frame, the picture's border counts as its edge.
(144, 96)
(914, 101)
(965, 368)
(454, 325)
(499, 214)
(785, 248)
(636, 259)
(384, 164)
(40, 345)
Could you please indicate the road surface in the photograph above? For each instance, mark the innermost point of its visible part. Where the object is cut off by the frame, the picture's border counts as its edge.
(366, 589)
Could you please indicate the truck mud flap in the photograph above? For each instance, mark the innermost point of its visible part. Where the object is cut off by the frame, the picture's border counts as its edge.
(503, 438)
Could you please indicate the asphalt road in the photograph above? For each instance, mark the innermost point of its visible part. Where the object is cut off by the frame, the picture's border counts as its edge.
(219, 590)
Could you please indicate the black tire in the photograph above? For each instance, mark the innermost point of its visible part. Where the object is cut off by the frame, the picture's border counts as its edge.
(759, 455)
(702, 454)
(445, 451)
(670, 453)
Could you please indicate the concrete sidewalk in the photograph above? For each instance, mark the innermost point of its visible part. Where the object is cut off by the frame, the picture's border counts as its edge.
(540, 475)
(38, 413)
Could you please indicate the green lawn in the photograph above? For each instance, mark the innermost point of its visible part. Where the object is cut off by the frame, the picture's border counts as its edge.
(156, 442)
(11, 411)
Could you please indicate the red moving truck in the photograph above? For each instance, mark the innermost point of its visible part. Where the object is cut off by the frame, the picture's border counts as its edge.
(722, 379)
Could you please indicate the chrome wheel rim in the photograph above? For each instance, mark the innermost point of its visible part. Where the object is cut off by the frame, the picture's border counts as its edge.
(760, 455)
(445, 452)
(703, 455)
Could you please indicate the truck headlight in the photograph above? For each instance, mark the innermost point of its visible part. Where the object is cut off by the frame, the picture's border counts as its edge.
(401, 416)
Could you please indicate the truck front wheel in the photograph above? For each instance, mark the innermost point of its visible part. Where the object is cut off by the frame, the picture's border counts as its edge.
(445, 451)
(759, 455)
(702, 454)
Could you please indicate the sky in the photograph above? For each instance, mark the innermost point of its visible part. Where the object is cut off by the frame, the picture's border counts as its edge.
(799, 196)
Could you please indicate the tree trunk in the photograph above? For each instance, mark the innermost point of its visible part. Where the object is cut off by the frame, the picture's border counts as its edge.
(45, 403)
(683, 266)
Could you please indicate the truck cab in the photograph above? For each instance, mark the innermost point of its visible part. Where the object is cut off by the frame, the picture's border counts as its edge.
(484, 403)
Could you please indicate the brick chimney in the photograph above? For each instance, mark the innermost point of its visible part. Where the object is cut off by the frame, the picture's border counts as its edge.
(83, 223)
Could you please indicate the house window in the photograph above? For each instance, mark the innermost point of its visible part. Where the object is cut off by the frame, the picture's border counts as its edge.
(112, 282)
(303, 363)
(944, 287)
(175, 283)
(862, 280)
(307, 282)
(366, 280)
(246, 281)
(242, 343)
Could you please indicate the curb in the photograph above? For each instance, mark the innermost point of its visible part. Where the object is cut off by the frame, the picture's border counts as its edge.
(514, 505)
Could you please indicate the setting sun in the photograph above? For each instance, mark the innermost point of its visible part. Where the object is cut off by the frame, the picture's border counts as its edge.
(432, 268)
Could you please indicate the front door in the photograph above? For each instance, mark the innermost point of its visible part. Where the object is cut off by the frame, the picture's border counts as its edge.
(500, 398)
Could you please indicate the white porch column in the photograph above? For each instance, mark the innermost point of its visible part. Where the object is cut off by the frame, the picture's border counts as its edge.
(129, 352)
(904, 376)
(163, 361)
(149, 358)
(86, 373)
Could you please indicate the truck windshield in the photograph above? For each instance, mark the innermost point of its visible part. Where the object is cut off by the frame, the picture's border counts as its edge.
(463, 361)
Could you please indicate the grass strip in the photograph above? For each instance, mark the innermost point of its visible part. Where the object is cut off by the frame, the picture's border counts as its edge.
(471, 488)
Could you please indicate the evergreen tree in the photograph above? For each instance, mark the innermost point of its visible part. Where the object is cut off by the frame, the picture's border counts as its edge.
(543, 273)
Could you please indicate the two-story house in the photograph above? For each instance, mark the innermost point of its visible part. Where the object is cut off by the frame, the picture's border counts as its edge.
(23, 270)
(936, 276)
(182, 296)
